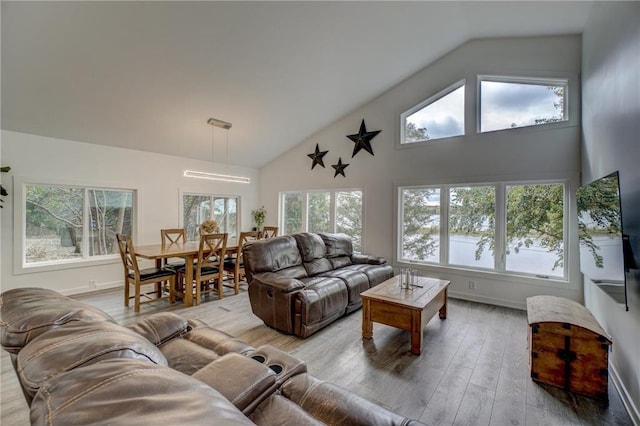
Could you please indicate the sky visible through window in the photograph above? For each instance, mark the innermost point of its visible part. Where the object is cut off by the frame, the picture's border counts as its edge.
(443, 118)
(506, 105)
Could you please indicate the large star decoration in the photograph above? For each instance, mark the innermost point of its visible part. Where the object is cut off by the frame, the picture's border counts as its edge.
(362, 140)
(317, 157)
(339, 168)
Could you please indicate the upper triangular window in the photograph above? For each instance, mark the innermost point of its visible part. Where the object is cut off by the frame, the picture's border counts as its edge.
(440, 116)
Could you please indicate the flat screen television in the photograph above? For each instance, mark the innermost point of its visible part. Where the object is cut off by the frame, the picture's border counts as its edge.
(601, 237)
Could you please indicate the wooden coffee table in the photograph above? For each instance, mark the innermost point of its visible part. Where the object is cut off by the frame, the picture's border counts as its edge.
(406, 309)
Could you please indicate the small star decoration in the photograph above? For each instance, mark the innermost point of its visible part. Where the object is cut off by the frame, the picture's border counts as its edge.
(339, 168)
(362, 140)
(317, 157)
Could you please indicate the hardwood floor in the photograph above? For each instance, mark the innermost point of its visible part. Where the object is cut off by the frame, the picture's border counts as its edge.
(473, 369)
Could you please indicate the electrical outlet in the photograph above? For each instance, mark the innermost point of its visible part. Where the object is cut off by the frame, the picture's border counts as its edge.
(92, 283)
(472, 285)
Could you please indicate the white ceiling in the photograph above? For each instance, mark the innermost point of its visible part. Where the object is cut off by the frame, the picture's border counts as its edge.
(148, 75)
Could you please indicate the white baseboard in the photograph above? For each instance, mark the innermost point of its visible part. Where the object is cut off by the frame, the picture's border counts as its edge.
(488, 300)
(89, 289)
(632, 409)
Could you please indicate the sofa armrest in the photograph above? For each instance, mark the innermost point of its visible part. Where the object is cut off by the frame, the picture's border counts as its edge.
(366, 259)
(278, 282)
(242, 380)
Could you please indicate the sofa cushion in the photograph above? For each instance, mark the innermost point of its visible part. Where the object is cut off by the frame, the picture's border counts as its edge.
(356, 282)
(376, 273)
(130, 392)
(77, 344)
(321, 299)
(161, 327)
(337, 244)
(273, 255)
(334, 405)
(200, 346)
(313, 252)
(28, 312)
(279, 411)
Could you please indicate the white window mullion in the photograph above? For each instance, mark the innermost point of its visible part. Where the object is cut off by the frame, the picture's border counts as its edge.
(305, 211)
(500, 228)
(444, 225)
(85, 225)
(332, 210)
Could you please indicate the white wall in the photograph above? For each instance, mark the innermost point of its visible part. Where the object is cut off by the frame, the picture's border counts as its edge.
(157, 179)
(531, 153)
(611, 141)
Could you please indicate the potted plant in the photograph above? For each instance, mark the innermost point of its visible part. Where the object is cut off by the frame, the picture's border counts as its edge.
(258, 217)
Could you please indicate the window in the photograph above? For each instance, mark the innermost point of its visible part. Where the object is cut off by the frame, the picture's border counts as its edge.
(65, 224)
(420, 233)
(535, 229)
(503, 227)
(324, 211)
(319, 211)
(441, 116)
(507, 103)
(196, 208)
(472, 226)
(349, 216)
(292, 209)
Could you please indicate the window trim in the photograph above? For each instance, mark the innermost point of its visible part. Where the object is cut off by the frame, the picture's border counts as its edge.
(499, 270)
(19, 225)
(431, 100)
(540, 81)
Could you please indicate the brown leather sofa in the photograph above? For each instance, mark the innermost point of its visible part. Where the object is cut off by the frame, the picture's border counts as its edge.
(300, 283)
(77, 366)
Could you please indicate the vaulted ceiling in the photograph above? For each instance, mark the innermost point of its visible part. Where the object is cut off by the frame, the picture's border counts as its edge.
(148, 75)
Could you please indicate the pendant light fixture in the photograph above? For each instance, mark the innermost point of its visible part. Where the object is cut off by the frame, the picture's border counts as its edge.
(214, 122)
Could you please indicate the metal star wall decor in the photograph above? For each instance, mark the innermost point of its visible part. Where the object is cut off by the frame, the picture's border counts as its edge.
(362, 139)
(317, 157)
(339, 168)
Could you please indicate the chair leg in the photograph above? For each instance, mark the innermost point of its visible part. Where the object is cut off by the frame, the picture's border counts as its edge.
(137, 300)
(126, 291)
(219, 286)
(198, 293)
(172, 290)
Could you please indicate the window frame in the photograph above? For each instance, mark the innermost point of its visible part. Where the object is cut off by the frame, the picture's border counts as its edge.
(19, 225)
(332, 213)
(499, 268)
(540, 81)
(431, 100)
(212, 197)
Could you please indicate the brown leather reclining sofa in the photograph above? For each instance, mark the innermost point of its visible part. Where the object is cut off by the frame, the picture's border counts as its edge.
(77, 366)
(300, 283)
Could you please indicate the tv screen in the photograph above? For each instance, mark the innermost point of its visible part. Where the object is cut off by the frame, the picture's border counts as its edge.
(600, 236)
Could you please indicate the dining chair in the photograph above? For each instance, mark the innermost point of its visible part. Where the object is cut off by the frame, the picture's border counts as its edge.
(173, 236)
(269, 231)
(208, 269)
(234, 264)
(133, 275)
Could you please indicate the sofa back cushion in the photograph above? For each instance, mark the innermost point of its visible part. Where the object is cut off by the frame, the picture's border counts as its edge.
(28, 312)
(313, 252)
(273, 255)
(339, 249)
(77, 344)
(131, 392)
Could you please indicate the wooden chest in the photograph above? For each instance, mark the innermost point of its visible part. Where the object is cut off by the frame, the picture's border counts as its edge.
(568, 348)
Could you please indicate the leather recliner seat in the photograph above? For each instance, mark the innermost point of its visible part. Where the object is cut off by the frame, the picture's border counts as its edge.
(76, 365)
(301, 283)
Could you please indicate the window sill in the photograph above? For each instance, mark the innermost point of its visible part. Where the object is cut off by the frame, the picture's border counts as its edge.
(68, 264)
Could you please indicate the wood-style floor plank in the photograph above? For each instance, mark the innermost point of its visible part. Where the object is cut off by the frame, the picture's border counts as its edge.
(473, 369)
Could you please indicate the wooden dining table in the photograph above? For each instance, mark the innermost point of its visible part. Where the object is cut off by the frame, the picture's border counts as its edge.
(188, 251)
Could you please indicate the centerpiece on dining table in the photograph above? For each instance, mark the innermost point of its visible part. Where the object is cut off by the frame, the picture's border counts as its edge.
(209, 227)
